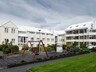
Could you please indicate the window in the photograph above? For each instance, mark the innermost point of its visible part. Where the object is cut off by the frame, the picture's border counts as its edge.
(43, 39)
(32, 39)
(43, 33)
(38, 39)
(6, 40)
(13, 40)
(12, 30)
(32, 32)
(6, 30)
(52, 39)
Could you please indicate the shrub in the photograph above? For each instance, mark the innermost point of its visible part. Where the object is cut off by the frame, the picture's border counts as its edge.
(93, 49)
(51, 47)
(6, 49)
(14, 49)
(39, 59)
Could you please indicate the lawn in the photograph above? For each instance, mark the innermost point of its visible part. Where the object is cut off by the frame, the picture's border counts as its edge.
(81, 64)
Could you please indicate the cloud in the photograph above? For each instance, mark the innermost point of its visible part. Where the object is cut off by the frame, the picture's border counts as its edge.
(50, 14)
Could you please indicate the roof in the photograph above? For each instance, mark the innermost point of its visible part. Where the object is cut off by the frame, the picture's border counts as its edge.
(59, 32)
(25, 35)
(79, 26)
(33, 29)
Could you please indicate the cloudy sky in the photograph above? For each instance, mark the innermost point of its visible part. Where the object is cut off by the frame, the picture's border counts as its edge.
(50, 14)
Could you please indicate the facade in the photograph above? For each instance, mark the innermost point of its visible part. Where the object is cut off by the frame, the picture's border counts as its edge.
(60, 37)
(33, 34)
(20, 35)
(83, 33)
(9, 32)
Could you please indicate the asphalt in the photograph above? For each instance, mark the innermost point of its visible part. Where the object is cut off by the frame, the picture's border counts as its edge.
(26, 67)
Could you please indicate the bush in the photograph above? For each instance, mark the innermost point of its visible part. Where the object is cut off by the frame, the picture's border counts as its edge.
(39, 59)
(93, 49)
(64, 46)
(14, 49)
(6, 49)
(50, 47)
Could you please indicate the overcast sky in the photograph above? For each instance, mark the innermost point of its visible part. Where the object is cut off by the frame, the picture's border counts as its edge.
(51, 14)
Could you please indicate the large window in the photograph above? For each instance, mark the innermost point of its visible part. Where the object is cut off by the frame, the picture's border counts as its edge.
(6, 30)
(12, 30)
(13, 40)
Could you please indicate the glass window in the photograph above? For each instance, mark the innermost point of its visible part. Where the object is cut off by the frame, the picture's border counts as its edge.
(6, 30)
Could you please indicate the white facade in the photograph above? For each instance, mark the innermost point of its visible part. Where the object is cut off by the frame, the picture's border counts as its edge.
(26, 34)
(9, 31)
(60, 37)
(83, 33)
(20, 35)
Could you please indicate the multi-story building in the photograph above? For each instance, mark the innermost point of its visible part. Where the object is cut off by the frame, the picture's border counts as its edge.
(83, 33)
(9, 32)
(60, 37)
(20, 35)
(33, 34)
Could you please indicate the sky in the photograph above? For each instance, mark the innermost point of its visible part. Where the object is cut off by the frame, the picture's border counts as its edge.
(48, 14)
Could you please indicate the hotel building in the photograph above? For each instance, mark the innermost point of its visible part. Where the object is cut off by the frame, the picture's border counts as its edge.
(83, 33)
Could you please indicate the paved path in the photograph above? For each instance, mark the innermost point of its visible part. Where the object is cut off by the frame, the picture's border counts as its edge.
(17, 59)
(26, 67)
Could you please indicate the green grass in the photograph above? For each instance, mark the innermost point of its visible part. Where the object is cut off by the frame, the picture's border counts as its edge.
(81, 64)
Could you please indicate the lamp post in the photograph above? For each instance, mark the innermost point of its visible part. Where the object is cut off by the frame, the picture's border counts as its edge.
(39, 39)
(39, 35)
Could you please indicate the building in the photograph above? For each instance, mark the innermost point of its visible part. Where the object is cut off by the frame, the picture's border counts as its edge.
(9, 32)
(34, 35)
(60, 37)
(20, 35)
(83, 33)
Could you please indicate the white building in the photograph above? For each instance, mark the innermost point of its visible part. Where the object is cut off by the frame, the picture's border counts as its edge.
(60, 37)
(83, 33)
(26, 34)
(9, 31)
(20, 35)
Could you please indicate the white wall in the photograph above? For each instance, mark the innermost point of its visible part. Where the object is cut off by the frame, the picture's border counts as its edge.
(8, 35)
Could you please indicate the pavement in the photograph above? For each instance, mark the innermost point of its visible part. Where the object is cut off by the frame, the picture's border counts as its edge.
(26, 67)
(18, 58)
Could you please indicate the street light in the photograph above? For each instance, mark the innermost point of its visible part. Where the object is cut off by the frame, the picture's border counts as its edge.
(39, 39)
(39, 34)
